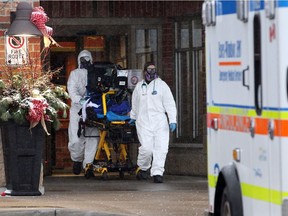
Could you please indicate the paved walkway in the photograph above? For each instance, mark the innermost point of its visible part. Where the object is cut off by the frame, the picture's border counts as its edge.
(75, 195)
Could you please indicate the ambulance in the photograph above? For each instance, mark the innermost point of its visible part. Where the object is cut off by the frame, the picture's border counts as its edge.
(247, 106)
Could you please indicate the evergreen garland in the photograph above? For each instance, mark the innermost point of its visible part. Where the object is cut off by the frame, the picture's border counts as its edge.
(32, 98)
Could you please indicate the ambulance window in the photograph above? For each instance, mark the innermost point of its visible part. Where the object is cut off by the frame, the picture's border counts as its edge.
(257, 65)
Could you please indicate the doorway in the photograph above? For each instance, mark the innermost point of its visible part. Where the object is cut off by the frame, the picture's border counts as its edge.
(103, 49)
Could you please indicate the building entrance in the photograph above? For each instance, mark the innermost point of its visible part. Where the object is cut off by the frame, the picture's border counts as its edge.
(112, 48)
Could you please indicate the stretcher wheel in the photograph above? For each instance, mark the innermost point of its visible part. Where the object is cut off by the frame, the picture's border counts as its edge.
(89, 175)
(121, 174)
(104, 176)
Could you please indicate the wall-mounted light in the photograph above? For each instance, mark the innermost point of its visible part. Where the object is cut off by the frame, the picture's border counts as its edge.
(22, 26)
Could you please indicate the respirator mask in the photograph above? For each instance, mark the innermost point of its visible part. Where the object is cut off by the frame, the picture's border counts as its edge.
(151, 74)
(85, 62)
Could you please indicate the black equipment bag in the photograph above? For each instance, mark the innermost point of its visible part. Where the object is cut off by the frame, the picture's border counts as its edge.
(101, 76)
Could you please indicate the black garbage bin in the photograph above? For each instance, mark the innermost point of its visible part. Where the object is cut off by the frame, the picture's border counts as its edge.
(22, 150)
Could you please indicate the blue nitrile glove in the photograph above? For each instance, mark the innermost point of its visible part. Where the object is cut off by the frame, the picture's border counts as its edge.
(132, 122)
(172, 127)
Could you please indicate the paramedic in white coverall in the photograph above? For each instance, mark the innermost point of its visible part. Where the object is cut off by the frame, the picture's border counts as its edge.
(152, 103)
(82, 149)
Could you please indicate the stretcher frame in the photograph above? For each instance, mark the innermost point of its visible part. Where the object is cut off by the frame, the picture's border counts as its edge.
(103, 161)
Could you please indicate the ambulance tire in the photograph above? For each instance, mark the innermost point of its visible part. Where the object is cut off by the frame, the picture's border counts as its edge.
(231, 199)
(225, 204)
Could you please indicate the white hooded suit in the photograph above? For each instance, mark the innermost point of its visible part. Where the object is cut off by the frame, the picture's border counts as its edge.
(82, 149)
(149, 110)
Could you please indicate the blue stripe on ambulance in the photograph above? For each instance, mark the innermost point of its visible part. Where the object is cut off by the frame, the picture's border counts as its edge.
(229, 7)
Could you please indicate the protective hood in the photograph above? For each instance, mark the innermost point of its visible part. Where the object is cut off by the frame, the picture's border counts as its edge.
(84, 53)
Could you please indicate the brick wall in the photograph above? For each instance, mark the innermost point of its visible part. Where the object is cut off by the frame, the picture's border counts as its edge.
(168, 52)
(62, 160)
(80, 9)
(34, 47)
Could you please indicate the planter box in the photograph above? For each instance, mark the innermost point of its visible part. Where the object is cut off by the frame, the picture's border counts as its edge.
(22, 149)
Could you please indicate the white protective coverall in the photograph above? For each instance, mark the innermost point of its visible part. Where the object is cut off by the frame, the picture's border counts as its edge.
(82, 149)
(149, 110)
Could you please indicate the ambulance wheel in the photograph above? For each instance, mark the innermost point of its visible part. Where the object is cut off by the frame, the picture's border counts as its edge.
(121, 174)
(104, 176)
(225, 204)
(228, 193)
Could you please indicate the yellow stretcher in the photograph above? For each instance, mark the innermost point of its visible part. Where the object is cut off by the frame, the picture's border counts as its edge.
(115, 137)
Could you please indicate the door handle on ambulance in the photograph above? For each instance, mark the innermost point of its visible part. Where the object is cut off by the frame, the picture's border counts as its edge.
(252, 127)
(244, 77)
(271, 128)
